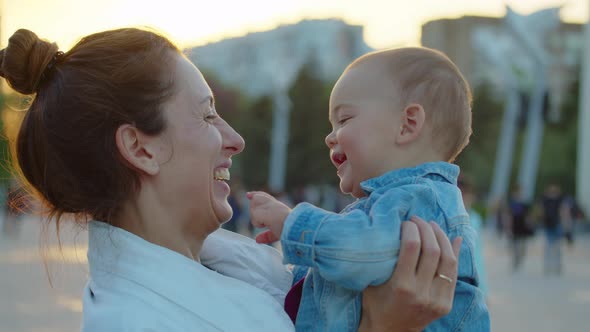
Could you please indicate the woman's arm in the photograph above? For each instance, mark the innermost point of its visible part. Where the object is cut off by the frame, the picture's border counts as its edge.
(415, 295)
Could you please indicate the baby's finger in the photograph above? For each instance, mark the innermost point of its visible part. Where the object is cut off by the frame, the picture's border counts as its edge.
(257, 201)
(252, 194)
(266, 237)
(257, 224)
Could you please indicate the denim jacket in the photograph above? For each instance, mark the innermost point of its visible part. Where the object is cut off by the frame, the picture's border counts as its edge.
(341, 254)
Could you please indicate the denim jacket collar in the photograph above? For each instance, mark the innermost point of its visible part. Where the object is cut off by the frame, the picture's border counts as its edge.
(447, 171)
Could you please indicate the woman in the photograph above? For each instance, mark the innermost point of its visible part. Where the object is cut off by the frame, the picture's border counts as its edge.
(123, 131)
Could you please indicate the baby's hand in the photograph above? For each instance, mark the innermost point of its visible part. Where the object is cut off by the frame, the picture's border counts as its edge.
(267, 211)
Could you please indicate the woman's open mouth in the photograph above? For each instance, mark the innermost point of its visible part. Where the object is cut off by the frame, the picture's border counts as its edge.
(221, 174)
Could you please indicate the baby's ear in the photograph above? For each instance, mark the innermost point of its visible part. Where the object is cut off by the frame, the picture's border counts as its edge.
(412, 122)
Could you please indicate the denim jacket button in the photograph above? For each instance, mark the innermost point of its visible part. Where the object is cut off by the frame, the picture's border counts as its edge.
(298, 253)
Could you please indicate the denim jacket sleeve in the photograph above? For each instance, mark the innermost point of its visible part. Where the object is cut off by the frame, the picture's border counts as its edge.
(354, 249)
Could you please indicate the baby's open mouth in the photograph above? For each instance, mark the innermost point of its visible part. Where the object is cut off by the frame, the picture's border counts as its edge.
(221, 174)
(338, 158)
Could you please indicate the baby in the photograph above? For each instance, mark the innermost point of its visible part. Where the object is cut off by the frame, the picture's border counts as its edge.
(399, 118)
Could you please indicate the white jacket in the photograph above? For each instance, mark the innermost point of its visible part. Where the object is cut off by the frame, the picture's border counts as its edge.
(138, 286)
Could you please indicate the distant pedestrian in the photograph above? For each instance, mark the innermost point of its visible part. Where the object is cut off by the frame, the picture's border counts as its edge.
(519, 226)
(552, 203)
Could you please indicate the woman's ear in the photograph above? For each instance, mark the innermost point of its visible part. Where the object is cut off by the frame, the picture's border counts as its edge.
(137, 149)
(412, 122)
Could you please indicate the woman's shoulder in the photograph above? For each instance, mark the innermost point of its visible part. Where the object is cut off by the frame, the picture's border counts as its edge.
(119, 318)
(112, 309)
(121, 305)
(136, 311)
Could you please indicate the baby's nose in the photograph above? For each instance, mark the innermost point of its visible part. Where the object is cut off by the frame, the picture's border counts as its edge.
(331, 139)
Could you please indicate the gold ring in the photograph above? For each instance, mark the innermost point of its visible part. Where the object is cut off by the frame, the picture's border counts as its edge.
(444, 277)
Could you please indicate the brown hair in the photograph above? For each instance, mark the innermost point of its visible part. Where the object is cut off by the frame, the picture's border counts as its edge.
(429, 78)
(66, 148)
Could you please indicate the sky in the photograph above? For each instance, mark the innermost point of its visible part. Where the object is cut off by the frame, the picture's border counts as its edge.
(387, 23)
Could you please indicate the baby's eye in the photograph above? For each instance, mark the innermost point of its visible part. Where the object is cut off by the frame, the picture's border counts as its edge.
(343, 120)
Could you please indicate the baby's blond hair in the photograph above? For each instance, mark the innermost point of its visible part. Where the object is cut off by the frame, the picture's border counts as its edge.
(429, 78)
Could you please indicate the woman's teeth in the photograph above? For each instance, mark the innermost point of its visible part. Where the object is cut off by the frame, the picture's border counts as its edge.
(221, 174)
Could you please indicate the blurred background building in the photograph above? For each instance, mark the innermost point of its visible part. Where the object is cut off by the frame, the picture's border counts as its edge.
(253, 62)
(454, 37)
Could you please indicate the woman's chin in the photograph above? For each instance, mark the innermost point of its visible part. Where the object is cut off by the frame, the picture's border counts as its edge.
(223, 213)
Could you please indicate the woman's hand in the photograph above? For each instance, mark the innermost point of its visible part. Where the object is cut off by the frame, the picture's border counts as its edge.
(416, 294)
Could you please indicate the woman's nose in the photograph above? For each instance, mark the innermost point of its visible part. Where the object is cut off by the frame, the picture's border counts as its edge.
(232, 140)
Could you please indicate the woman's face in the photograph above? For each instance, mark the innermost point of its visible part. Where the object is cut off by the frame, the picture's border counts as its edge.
(200, 145)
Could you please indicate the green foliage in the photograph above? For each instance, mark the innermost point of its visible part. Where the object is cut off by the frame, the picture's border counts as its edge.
(308, 159)
(477, 160)
(255, 125)
(5, 159)
(559, 152)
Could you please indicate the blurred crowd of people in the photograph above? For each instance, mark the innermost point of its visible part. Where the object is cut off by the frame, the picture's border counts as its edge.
(554, 214)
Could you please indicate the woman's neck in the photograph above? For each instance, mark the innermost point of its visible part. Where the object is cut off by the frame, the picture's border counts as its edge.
(150, 220)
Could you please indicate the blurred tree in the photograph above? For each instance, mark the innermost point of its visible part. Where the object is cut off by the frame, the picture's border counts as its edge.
(255, 126)
(308, 158)
(477, 160)
(559, 152)
(6, 167)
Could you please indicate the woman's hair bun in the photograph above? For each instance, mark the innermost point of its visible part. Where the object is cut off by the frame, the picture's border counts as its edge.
(24, 61)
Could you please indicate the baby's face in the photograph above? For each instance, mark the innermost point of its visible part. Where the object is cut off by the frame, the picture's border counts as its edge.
(365, 121)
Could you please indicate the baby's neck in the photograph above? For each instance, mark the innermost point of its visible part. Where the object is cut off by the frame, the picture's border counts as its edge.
(418, 157)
